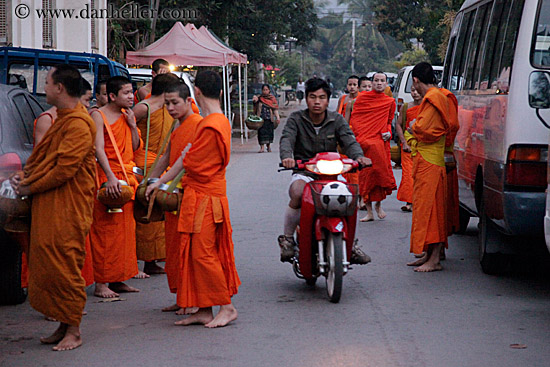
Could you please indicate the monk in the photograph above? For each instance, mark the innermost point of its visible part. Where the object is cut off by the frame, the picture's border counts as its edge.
(208, 276)
(453, 216)
(113, 235)
(44, 121)
(159, 66)
(345, 102)
(101, 94)
(178, 103)
(60, 176)
(371, 123)
(408, 113)
(429, 222)
(150, 246)
(365, 85)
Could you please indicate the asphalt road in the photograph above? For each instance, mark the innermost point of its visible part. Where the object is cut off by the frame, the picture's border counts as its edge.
(388, 315)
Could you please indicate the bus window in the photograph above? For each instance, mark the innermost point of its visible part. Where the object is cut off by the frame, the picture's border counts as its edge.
(503, 82)
(448, 58)
(457, 76)
(476, 46)
(540, 50)
(21, 75)
(496, 30)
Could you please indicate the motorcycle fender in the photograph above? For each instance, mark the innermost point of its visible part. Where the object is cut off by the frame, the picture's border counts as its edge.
(331, 224)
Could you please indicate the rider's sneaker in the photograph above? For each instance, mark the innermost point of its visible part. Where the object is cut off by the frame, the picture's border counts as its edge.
(358, 256)
(287, 246)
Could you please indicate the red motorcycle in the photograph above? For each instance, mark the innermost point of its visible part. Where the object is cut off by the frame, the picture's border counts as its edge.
(327, 222)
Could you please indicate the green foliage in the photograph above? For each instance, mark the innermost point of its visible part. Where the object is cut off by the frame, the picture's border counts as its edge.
(249, 26)
(412, 57)
(421, 19)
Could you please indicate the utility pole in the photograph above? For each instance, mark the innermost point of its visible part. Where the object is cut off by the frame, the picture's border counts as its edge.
(353, 46)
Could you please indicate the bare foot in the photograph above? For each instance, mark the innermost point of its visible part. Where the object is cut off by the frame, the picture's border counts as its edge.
(418, 256)
(420, 261)
(49, 318)
(202, 317)
(172, 308)
(269, 148)
(187, 311)
(367, 218)
(428, 267)
(227, 314)
(379, 211)
(122, 288)
(141, 275)
(71, 340)
(57, 335)
(153, 268)
(101, 290)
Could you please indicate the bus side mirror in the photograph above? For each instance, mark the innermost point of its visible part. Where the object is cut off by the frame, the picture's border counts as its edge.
(539, 90)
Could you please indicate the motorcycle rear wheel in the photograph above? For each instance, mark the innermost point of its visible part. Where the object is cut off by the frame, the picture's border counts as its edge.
(335, 270)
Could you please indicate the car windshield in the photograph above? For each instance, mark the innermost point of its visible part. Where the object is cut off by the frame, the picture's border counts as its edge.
(438, 75)
(540, 49)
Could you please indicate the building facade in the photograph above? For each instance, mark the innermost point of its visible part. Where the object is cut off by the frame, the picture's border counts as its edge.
(65, 25)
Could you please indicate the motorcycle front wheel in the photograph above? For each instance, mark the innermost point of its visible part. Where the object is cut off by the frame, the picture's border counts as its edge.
(335, 271)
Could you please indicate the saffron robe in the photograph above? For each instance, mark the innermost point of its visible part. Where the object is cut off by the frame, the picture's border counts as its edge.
(405, 191)
(61, 176)
(207, 276)
(352, 178)
(453, 216)
(113, 235)
(429, 221)
(371, 116)
(150, 237)
(183, 135)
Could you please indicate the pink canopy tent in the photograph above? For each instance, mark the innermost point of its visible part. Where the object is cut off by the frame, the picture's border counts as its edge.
(187, 45)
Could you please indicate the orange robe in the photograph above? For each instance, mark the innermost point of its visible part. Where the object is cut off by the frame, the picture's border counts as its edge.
(113, 235)
(150, 237)
(183, 135)
(87, 269)
(405, 192)
(453, 216)
(61, 175)
(352, 178)
(136, 97)
(207, 276)
(371, 116)
(194, 107)
(429, 221)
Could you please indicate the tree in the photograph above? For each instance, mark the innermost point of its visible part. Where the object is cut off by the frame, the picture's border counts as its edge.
(420, 19)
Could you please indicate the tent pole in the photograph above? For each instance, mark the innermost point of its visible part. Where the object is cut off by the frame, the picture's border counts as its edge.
(229, 98)
(241, 106)
(224, 93)
(246, 98)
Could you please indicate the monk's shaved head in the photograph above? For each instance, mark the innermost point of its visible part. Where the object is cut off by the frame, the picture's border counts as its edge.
(68, 76)
(115, 84)
(179, 87)
(161, 81)
(158, 64)
(209, 83)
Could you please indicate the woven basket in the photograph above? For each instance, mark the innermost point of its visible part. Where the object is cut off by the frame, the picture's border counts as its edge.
(254, 122)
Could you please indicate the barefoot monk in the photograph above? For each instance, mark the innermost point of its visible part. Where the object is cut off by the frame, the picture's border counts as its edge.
(429, 222)
(113, 235)
(60, 176)
(208, 276)
(371, 120)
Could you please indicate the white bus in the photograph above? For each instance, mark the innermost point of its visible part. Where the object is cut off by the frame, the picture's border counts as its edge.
(495, 47)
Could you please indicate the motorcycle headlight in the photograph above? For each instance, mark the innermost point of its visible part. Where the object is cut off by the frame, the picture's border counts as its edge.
(330, 167)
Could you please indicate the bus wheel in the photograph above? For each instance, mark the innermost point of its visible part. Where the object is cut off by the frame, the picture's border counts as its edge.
(464, 219)
(491, 263)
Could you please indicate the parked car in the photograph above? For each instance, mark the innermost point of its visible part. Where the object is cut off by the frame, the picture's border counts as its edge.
(403, 84)
(141, 76)
(18, 110)
(27, 68)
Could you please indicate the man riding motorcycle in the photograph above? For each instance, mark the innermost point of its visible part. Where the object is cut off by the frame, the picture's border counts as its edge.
(307, 133)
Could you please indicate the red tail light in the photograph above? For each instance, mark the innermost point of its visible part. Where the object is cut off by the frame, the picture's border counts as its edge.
(527, 166)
